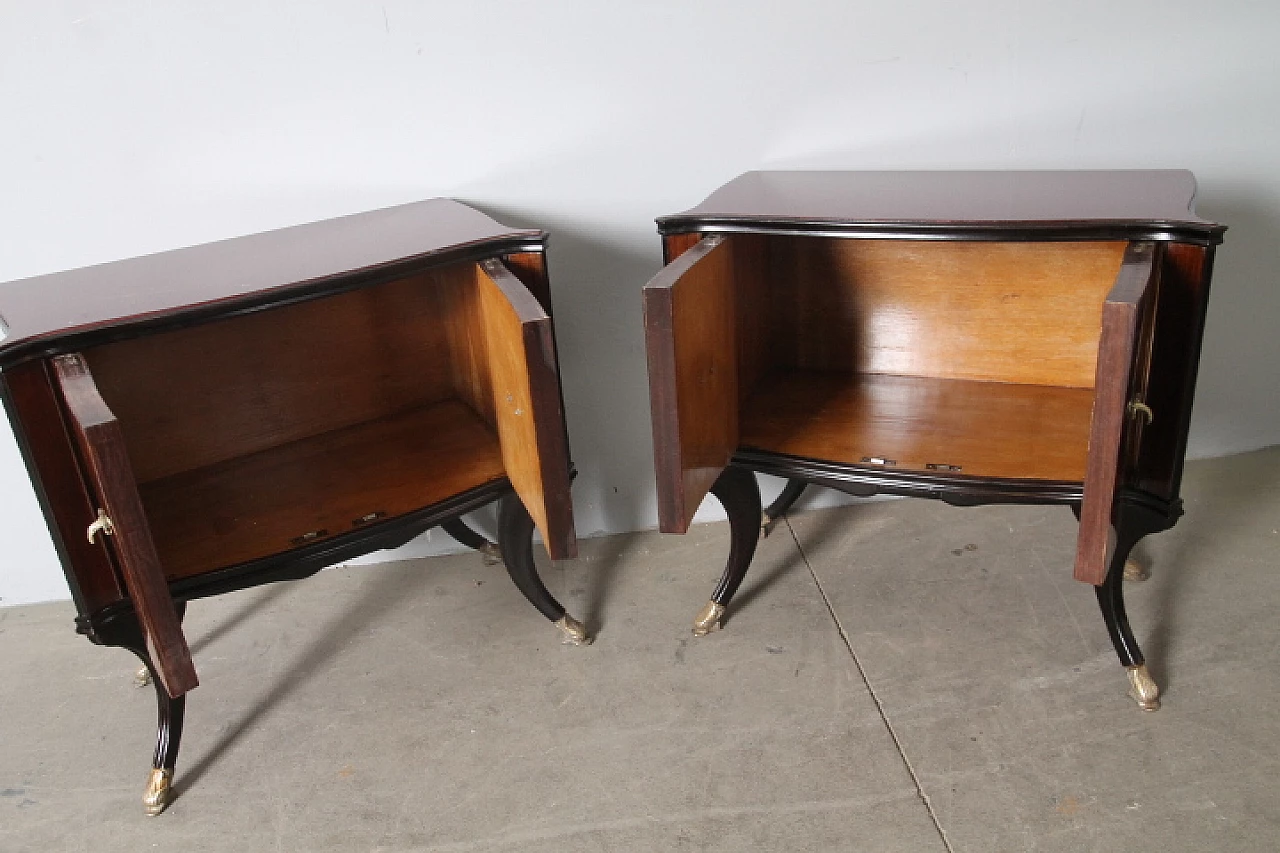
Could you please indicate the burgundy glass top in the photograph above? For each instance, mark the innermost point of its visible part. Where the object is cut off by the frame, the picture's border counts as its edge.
(1151, 198)
(231, 273)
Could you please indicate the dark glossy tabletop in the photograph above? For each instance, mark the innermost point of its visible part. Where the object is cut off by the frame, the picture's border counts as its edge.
(243, 271)
(943, 200)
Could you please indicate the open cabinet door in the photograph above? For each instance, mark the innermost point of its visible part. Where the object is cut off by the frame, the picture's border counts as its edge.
(122, 522)
(526, 395)
(691, 339)
(1119, 407)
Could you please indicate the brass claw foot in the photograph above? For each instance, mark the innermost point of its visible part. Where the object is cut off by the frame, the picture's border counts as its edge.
(766, 524)
(159, 792)
(1135, 571)
(142, 678)
(1143, 688)
(574, 631)
(491, 553)
(708, 619)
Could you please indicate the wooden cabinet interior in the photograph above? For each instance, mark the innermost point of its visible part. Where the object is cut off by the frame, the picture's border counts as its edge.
(970, 357)
(295, 423)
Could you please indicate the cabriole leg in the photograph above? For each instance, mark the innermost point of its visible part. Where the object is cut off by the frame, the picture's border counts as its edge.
(1142, 687)
(515, 541)
(739, 494)
(168, 738)
(458, 529)
(169, 717)
(776, 510)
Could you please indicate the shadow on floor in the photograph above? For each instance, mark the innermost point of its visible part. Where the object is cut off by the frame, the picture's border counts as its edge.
(1233, 485)
(251, 608)
(604, 571)
(825, 528)
(383, 592)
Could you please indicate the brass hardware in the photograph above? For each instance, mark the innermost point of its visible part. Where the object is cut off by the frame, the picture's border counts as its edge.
(574, 631)
(1137, 407)
(492, 554)
(156, 799)
(708, 619)
(941, 466)
(1143, 688)
(1135, 571)
(879, 460)
(142, 677)
(102, 523)
(368, 518)
(309, 536)
(767, 523)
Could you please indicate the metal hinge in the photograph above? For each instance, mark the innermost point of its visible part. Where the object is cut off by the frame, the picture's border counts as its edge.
(309, 536)
(878, 460)
(941, 466)
(102, 523)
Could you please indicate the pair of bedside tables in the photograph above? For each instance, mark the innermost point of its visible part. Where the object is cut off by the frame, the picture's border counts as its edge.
(249, 411)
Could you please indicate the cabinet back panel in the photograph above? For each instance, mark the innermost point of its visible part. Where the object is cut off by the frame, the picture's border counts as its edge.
(242, 385)
(996, 312)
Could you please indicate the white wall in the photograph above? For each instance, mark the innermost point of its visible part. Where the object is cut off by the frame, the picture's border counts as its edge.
(134, 127)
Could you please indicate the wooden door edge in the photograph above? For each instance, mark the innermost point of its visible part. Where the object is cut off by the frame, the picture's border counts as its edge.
(122, 516)
(674, 513)
(550, 430)
(1120, 315)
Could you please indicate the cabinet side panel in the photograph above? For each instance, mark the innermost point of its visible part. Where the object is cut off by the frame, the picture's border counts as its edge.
(52, 461)
(756, 308)
(1175, 360)
(531, 269)
(457, 303)
(675, 245)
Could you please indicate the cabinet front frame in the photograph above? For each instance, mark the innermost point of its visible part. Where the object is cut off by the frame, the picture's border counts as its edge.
(1150, 459)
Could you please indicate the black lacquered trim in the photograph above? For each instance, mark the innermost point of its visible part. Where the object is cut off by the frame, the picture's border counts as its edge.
(1006, 232)
(864, 481)
(303, 562)
(956, 489)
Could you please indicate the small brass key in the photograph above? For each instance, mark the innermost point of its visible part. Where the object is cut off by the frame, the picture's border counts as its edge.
(103, 523)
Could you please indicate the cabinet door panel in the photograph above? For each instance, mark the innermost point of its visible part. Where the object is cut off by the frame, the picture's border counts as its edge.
(102, 447)
(526, 394)
(691, 340)
(1124, 353)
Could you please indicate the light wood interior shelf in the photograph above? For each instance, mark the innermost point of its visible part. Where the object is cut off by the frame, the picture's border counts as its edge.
(987, 429)
(260, 504)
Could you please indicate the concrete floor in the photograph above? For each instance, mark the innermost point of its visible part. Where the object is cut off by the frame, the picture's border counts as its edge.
(896, 676)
